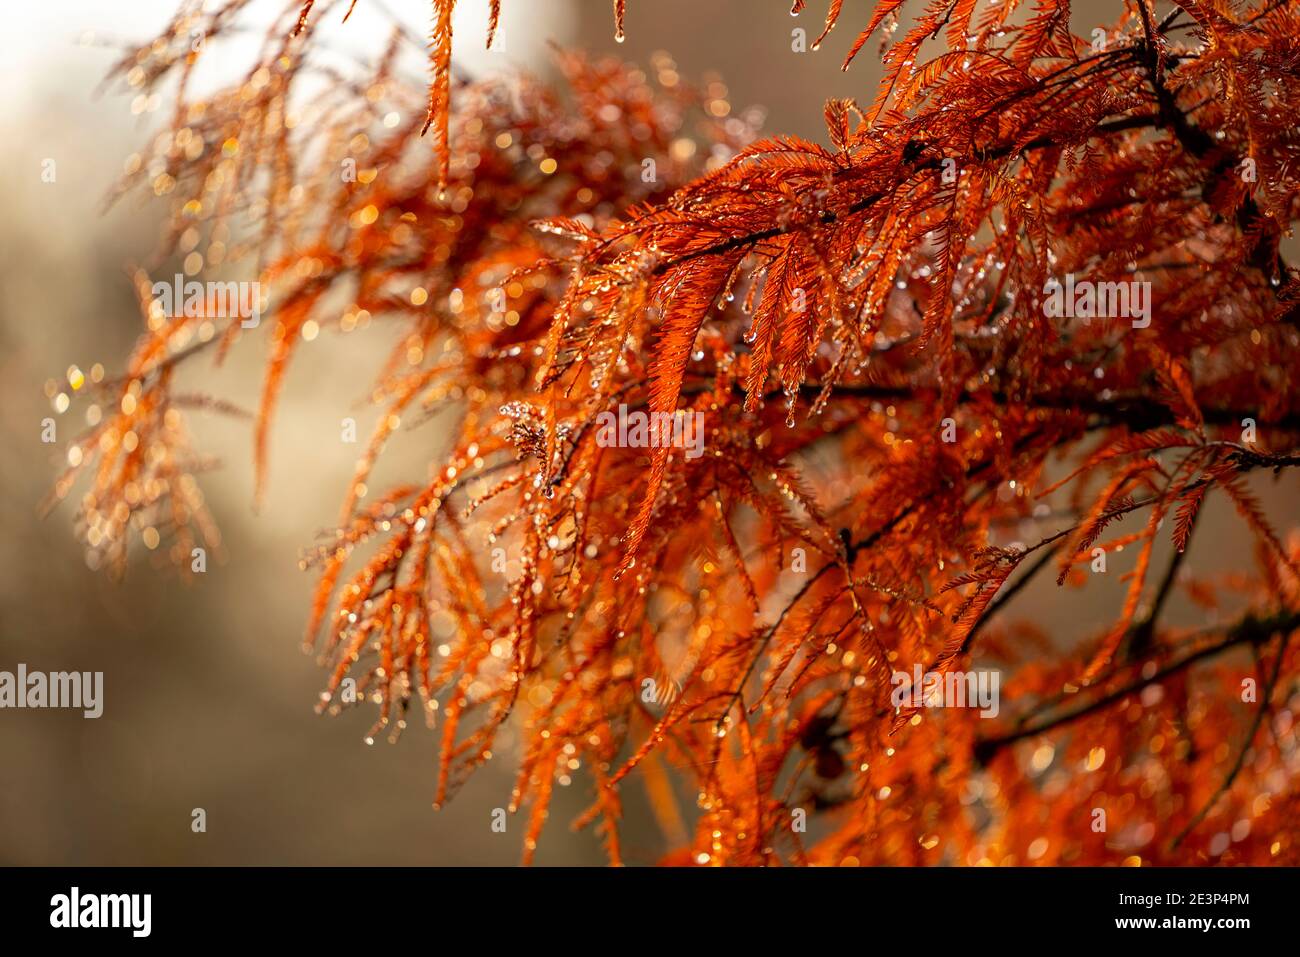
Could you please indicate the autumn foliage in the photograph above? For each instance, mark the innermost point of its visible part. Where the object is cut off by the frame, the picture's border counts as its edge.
(899, 437)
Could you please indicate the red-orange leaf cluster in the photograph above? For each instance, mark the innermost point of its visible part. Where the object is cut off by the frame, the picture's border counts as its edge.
(1029, 309)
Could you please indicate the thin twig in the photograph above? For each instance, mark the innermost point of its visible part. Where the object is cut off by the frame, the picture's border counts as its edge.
(1249, 630)
(1245, 746)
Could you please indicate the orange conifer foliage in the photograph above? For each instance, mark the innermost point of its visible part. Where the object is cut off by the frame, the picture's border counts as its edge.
(899, 433)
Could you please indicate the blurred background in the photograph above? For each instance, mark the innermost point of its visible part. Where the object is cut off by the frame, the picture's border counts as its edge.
(208, 699)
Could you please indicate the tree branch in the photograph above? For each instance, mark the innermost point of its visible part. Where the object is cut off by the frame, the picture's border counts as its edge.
(1245, 746)
(1249, 630)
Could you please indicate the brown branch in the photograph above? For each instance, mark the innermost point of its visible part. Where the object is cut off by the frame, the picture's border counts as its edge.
(1137, 412)
(1249, 630)
(1262, 710)
(749, 239)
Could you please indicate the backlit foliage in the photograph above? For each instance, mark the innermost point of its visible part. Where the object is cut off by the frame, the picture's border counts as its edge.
(898, 437)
